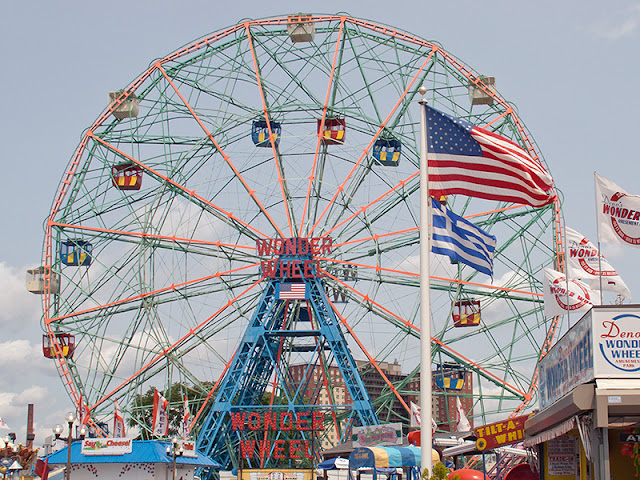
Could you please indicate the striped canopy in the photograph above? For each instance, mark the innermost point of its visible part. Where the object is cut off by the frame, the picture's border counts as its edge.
(381, 457)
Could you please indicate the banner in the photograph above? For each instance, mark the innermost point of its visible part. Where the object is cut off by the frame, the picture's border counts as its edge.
(463, 424)
(461, 240)
(106, 446)
(584, 261)
(186, 416)
(118, 422)
(416, 418)
(42, 469)
(160, 425)
(561, 298)
(376, 435)
(469, 160)
(618, 213)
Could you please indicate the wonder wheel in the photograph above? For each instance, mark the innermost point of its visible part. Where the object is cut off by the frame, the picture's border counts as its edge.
(263, 180)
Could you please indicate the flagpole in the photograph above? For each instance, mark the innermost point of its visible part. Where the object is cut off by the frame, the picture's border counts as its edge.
(566, 271)
(426, 437)
(595, 188)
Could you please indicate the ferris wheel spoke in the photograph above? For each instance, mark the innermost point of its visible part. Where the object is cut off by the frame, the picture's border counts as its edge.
(252, 193)
(370, 357)
(219, 212)
(286, 196)
(349, 194)
(319, 148)
(158, 357)
(150, 294)
(175, 359)
(367, 302)
(365, 208)
(175, 240)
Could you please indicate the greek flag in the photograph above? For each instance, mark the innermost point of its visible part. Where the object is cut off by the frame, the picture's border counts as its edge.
(461, 240)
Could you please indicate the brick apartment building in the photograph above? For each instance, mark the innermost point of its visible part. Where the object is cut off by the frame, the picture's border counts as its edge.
(443, 407)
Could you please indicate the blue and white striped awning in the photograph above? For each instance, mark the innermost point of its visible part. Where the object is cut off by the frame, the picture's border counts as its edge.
(383, 457)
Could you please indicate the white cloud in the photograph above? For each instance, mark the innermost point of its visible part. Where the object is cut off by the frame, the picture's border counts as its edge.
(28, 377)
(32, 394)
(18, 307)
(616, 25)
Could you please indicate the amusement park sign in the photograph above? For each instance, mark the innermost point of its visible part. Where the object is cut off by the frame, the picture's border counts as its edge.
(499, 434)
(279, 449)
(604, 343)
(106, 446)
(368, 436)
(294, 256)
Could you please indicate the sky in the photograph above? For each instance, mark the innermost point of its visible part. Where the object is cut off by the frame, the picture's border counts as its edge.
(569, 67)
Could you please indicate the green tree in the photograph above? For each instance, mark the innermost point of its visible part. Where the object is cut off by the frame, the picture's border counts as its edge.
(141, 410)
(440, 472)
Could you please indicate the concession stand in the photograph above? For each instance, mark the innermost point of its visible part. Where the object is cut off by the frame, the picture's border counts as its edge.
(390, 461)
(127, 459)
(588, 426)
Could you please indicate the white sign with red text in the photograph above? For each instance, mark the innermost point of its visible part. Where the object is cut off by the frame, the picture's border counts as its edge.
(107, 446)
(618, 213)
(604, 343)
(188, 448)
(562, 296)
(585, 261)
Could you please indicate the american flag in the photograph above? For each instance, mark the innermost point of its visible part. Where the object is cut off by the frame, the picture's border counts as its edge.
(472, 161)
(292, 291)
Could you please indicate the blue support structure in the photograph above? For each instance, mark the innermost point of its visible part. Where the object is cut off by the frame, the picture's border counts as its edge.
(259, 361)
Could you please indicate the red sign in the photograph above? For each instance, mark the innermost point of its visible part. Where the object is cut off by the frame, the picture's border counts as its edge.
(277, 422)
(292, 268)
(499, 434)
(294, 246)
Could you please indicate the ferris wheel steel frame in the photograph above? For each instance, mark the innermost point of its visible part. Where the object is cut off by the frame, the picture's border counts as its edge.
(91, 140)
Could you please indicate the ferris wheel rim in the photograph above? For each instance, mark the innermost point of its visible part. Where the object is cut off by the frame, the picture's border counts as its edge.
(48, 251)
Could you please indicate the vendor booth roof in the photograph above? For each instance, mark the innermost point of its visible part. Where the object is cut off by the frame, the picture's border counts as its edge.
(143, 452)
(380, 457)
(334, 463)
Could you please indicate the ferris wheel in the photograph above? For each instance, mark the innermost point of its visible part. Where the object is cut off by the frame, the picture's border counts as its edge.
(286, 139)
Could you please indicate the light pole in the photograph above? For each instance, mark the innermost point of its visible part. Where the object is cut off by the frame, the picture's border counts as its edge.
(57, 430)
(175, 450)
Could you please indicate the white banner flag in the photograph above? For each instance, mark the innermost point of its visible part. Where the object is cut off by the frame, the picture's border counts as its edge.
(160, 425)
(416, 418)
(118, 422)
(559, 300)
(463, 424)
(584, 262)
(415, 415)
(618, 213)
(186, 417)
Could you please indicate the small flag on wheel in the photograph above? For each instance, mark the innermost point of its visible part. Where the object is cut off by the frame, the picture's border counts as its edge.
(292, 291)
